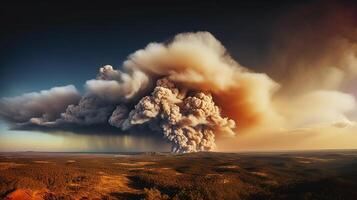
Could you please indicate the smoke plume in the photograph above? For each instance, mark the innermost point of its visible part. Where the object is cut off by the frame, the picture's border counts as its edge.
(193, 93)
(103, 94)
(189, 121)
(38, 107)
(200, 93)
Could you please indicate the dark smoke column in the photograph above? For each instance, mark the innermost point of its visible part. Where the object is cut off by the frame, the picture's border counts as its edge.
(188, 119)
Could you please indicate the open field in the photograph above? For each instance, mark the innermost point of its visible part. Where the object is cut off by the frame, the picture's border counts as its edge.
(289, 175)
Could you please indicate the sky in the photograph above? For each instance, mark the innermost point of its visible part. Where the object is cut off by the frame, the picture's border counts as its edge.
(45, 45)
(42, 42)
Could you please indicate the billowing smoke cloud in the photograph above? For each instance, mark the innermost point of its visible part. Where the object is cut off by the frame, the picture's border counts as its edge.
(38, 107)
(198, 61)
(189, 121)
(104, 93)
(90, 110)
(118, 86)
(200, 93)
(192, 92)
(205, 75)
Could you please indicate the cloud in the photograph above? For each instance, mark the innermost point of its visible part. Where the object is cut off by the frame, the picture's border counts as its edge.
(198, 61)
(199, 65)
(201, 93)
(38, 107)
(194, 94)
(316, 107)
(90, 110)
(115, 85)
(189, 121)
(104, 93)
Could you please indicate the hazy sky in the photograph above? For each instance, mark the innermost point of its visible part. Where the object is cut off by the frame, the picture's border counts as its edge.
(44, 45)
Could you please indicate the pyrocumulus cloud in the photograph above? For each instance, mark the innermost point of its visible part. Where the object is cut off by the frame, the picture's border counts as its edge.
(192, 92)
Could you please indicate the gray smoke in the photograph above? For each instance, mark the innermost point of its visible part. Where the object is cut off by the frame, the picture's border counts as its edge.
(188, 120)
(197, 83)
(38, 107)
(90, 110)
(103, 94)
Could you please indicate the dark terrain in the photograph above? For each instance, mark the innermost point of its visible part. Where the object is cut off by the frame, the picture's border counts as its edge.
(289, 175)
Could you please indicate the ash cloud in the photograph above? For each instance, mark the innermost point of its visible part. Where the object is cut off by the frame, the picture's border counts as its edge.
(90, 110)
(193, 93)
(189, 121)
(110, 88)
(201, 93)
(38, 107)
(198, 61)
